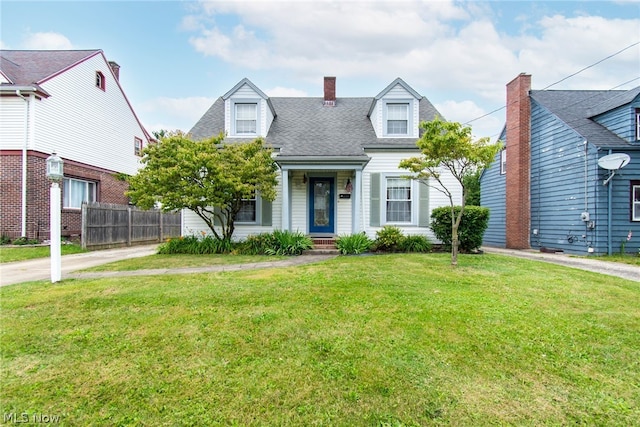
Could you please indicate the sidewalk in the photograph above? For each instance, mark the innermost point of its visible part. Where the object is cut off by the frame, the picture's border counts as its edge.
(40, 269)
(625, 271)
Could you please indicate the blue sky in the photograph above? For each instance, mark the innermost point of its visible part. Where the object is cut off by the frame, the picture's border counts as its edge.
(177, 57)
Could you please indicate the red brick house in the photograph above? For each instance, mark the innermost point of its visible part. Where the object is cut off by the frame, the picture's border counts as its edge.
(70, 102)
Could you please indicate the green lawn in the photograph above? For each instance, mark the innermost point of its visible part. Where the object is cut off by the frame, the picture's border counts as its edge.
(385, 340)
(159, 261)
(10, 254)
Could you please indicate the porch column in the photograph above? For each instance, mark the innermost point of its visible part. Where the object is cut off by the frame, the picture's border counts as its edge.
(285, 199)
(357, 202)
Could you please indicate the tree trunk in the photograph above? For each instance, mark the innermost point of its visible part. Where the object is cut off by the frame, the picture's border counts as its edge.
(454, 245)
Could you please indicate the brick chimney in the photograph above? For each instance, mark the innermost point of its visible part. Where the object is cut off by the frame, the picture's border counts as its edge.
(518, 203)
(115, 68)
(330, 91)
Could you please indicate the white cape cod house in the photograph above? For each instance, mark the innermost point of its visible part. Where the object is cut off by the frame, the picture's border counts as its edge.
(338, 160)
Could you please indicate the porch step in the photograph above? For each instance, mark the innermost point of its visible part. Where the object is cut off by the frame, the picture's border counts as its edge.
(323, 246)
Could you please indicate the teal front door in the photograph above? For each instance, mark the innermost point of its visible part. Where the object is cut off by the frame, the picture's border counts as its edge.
(321, 205)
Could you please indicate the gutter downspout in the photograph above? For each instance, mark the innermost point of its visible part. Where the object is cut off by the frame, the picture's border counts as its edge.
(23, 229)
(609, 221)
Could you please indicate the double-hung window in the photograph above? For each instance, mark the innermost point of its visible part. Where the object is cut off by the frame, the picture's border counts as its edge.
(635, 200)
(503, 161)
(77, 191)
(637, 124)
(397, 121)
(398, 200)
(246, 118)
(248, 210)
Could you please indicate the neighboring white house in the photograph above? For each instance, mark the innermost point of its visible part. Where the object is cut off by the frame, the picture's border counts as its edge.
(338, 160)
(70, 102)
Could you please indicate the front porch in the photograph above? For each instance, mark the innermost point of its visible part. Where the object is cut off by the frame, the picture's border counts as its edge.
(323, 200)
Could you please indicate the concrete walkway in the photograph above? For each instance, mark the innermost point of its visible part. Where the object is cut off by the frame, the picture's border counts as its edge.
(40, 269)
(625, 271)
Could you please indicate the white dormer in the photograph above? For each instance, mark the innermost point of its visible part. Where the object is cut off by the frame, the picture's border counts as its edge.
(248, 111)
(395, 111)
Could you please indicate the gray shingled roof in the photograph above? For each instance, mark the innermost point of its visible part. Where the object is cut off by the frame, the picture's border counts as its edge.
(305, 127)
(576, 107)
(31, 67)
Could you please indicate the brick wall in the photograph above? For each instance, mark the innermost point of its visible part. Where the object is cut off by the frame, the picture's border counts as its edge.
(518, 153)
(109, 190)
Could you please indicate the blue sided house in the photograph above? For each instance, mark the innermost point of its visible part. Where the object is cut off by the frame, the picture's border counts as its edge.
(568, 178)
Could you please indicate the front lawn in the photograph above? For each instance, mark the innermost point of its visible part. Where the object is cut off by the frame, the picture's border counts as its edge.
(23, 253)
(159, 261)
(354, 341)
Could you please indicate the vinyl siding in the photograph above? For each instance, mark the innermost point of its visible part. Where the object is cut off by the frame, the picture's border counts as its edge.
(84, 123)
(563, 185)
(492, 196)
(12, 122)
(621, 121)
(387, 163)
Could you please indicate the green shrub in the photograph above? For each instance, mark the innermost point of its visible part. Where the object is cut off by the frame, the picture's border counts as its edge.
(289, 243)
(5, 240)
(475, 220)
(196, 246)
(417, 243)
(388, 238)
(24, 241)
(257, 244)
(353, 244)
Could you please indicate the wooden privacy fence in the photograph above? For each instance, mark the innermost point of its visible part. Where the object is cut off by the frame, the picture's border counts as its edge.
(106, 225)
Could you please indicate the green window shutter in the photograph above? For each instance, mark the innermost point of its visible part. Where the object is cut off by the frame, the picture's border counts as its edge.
(374, 199)
(423, 205)
(266, 214)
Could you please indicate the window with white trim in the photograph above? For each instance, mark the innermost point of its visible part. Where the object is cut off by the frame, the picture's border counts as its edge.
(635, 200)
(397, 121)
(100, 82)
(398, 200)
(248, 210)
(137, 146)
(77, 191)
(503, 162)
(637, 124)
(246, 118)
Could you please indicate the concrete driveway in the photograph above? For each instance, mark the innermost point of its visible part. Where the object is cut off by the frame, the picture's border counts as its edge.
(40, 269)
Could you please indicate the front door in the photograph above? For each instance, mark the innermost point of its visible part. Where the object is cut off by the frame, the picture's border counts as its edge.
(321, 205)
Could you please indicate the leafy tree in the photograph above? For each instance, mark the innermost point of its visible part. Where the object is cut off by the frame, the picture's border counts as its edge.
(450, 146)
(472, 184)
(208, 177)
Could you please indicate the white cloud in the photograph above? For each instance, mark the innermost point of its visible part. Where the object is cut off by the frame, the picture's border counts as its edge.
(285, 92)
(464, 111)
(46, 41)
(448, 50)
(173, 113)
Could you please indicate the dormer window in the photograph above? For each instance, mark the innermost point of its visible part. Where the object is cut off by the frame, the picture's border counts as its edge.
(246, 118)
(100, 82)
(397, 118)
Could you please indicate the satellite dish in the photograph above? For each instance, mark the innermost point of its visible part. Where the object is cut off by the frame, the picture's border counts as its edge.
(614, 161)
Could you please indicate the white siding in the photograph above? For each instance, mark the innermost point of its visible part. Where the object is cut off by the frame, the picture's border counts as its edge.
(299, 203)
(386, 162)
(344, 207)
(12, 123)
(396, 93)
(245, 93)
(81, 122)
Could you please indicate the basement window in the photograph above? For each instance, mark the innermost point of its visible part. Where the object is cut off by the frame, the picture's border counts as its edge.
(100, 82)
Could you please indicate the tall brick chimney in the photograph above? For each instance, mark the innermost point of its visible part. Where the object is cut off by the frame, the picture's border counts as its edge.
(518, 203)
(330, 91)
(115, 68)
